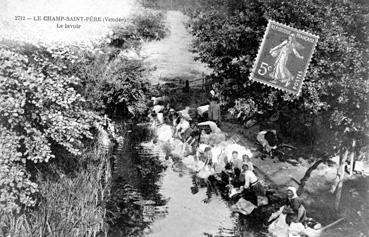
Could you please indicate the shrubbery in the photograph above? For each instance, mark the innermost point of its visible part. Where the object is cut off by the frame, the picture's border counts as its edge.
(115, 76)
(227, 37)
(331, 114)
(51, 97)
(244, 109)
(39, 107)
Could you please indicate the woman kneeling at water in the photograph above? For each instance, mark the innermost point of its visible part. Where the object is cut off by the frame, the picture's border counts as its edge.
(182, 127)
(294, 210)
(268, 139)
(192, 134)
(253, 188)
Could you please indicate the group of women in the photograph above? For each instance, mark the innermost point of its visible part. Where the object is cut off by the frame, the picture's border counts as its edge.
(227, 165)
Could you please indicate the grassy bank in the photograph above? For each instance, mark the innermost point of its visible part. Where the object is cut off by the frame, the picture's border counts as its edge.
(53, 98)
(70, 204)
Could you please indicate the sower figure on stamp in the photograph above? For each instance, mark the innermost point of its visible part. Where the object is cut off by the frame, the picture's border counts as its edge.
(282, 52)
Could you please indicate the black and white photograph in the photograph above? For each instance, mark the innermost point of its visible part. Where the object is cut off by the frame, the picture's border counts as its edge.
(184, 118)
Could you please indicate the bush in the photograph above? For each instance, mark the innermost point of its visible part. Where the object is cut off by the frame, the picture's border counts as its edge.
(114, 86)
(145, 26)
(244, 109)
(49, 99)
(115, 75)
(227, 36)
(39, 106)
(150, 25)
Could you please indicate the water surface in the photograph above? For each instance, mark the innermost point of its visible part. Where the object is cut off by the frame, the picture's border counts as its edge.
(160, 197)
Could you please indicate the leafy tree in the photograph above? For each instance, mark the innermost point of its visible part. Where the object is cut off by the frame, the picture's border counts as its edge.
(150, 25)
(336, 88)
(114, 74)
(48, 93)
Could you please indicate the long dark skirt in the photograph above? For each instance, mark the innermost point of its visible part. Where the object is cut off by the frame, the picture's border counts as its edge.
(253, 192)
(258, 189)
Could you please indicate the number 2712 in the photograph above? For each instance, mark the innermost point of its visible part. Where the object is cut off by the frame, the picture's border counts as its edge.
(20, 18)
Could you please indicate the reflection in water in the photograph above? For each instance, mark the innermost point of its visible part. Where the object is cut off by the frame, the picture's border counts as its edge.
(188, 214)
(155, 196)
(135, 198)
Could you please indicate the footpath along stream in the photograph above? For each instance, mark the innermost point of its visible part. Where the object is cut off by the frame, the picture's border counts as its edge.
(158, 196)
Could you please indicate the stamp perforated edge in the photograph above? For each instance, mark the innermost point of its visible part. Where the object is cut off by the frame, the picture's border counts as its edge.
(253, 70)
(252, 73)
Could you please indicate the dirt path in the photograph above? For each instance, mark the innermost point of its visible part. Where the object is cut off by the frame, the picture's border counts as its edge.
(318, 200)
(174, 61)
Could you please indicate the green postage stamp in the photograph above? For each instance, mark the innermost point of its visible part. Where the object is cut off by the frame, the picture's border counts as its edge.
(284, 57)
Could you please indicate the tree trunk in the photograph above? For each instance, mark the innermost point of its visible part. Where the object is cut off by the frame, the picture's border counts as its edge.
(340, 170)
(338, 194)
(352, 158)
(307, 175)
(352, 163)
(342, 173)
(337, 185)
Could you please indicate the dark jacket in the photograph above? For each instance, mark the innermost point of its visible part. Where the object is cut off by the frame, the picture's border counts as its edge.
(295, 211)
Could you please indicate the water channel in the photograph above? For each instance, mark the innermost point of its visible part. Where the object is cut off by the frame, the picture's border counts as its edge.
(154, 196)
(162, 197)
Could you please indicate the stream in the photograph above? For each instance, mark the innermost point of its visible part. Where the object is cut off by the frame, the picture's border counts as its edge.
(155, 196)
(160, 197)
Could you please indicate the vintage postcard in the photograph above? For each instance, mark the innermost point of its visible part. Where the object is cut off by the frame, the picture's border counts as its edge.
(284, 57)
(132, 118)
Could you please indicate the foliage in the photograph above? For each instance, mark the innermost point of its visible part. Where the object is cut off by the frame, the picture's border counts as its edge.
(145, 26)
(70, 206)
(48, 93)
(244, 109)
(111, 84)
(114, 73)
(227, 37)
(150, 25)
(39, 108)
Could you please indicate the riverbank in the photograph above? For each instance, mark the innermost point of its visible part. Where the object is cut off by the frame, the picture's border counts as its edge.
(317, 196)
(57, 98)
(71, 199)
(281, 174)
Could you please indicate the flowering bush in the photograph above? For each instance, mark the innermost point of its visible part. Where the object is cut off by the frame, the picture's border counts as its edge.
(244, 109)
(39, 106)
(48, 93)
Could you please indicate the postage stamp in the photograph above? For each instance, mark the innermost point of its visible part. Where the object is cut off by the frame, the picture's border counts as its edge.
(284, 57)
